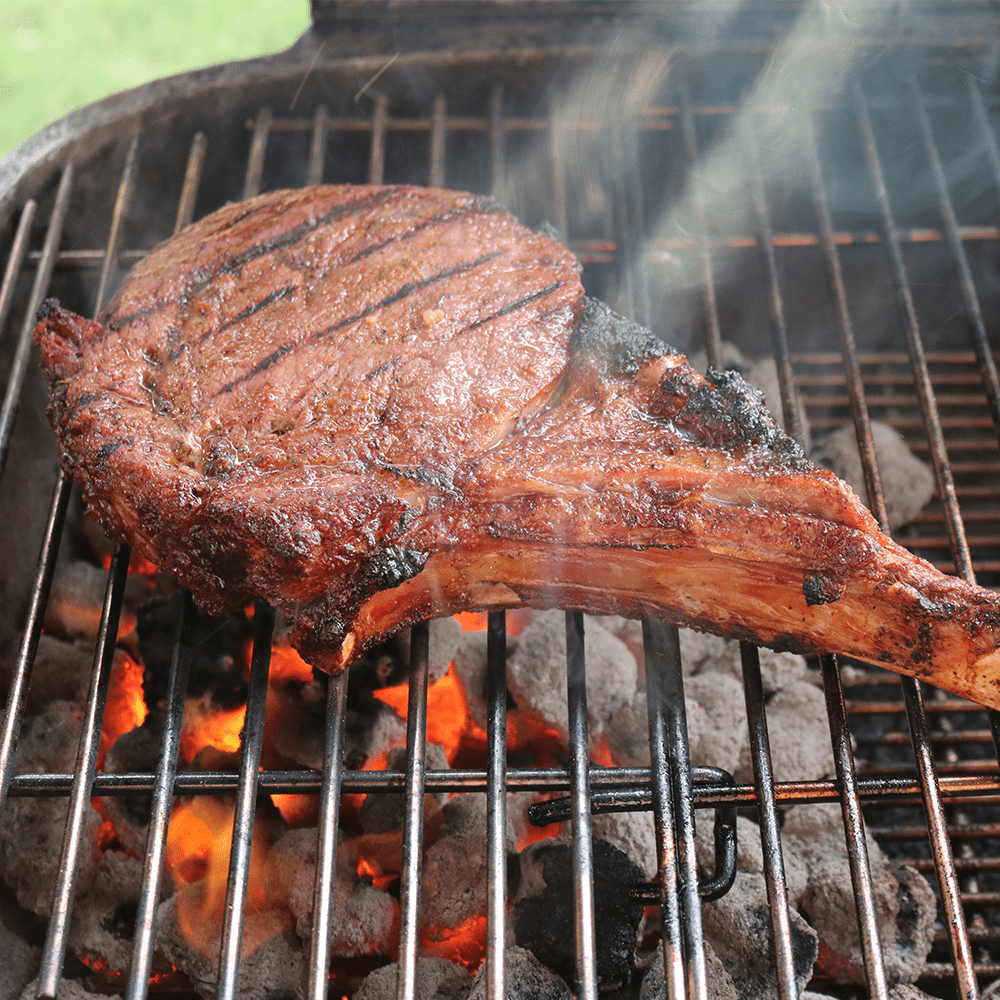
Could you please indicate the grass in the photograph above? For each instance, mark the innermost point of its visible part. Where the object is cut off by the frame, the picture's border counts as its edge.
(57, 55)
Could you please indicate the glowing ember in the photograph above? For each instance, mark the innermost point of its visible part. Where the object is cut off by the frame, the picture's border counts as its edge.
(207, 725)
(125, 708)
(463, 945)
(448, 720)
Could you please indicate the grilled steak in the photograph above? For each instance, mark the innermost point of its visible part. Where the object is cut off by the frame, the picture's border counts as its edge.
(373, 405)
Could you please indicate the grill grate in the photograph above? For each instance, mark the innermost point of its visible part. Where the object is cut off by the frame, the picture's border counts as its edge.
(928, 795)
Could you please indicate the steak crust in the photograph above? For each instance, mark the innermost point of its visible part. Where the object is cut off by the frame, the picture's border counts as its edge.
(373, 405)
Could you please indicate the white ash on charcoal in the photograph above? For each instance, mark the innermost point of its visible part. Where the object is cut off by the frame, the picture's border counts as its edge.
(103, 921)
(136, 750)
(444, 637)
(543, 912)
(68, 989)
(31, 835)
(905, 903)
(628, 734)
(525, 978)
(454, 878)
(777, 670)
(275, 967)
(738, 926)
(73, 610)
(61, 672)
(798, 728)
(720, 983)
(365, 918)
(370, 732)
(721, 729)
(384, 811)
(470, 669)
(536, 672)
(437, 979)
(907, 483)
(21, 957)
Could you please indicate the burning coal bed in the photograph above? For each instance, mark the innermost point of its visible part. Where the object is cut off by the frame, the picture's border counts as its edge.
(540, 949)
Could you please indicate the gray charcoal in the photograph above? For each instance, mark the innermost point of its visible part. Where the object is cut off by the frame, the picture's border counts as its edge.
(906, 991)
(20, 964)
(907, 483)
(31, 835)
(382, 812)
(470, 669)
(698, 648)
(777, 670)
(536, 672)
(366, 918)
(277, 967)
(721, 725)
(61, 672)
(445, 634)
(437, 979)
(137, 750)
(720, 983)
(68, 989)
(525, 978)
(543, 912)
(103, 921)
(905, 903)
(738, 926)
(799, 730)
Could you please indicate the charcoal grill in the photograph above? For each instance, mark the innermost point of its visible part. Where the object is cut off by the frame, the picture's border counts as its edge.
(880, 304)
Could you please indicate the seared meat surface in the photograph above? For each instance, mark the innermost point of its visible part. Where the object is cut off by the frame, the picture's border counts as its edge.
(373, 405)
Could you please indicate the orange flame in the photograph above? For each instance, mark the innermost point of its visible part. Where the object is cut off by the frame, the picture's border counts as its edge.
(287, 665)
(198, 844)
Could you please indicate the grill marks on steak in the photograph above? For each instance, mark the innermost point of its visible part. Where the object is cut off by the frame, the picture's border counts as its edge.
(375, 405)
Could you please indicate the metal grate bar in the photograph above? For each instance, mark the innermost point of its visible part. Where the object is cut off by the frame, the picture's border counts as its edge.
(376, 160)
(673, 781)
(947, 876)
(854, 829)
(192, 178)
(317, 150)
(921, 374)
(767, 814)
(438, 139)
(18, 693)
(318, 982)
(258, 148)
(713, 334)
(246, 801)
(54, 953)
(18, 250)
(124, 196)
(583, 845)
(557, 158)
(497, 140)
(413, 824)
(779, 328)
(496, 803)
(852, 369)
(163, 790)
(988, 369)
(22, 354)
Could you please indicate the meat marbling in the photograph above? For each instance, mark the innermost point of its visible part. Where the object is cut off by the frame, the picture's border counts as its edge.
(374, 405)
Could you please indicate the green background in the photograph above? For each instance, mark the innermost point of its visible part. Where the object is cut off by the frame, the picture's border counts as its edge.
(57, 55)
